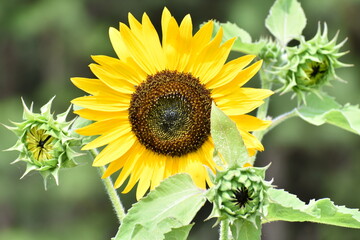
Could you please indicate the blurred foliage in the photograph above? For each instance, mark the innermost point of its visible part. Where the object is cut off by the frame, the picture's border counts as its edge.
(45, 42)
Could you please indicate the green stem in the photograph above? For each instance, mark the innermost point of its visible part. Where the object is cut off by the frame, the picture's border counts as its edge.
(263, 109)
(281, 118)
(265, 84)
(111, 191)
(224, 230)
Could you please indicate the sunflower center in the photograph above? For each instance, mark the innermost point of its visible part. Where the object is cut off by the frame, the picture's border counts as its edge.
(39, 144)
(170, 113)
(241, 197)
(169, 117)
(316, 73)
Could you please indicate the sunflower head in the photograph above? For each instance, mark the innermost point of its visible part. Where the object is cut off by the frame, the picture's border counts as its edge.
(312, 64)
(45, 143)
(151, 105)
(239, 193)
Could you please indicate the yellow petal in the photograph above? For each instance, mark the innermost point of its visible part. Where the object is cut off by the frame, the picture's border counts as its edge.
(206, 154)
(120, 162)
(106, 104)
(145, 179)
(138, 50)
(118, 44)
(238, 107)
(250, 123)
(240, 94)
(136, 174)
(153, 45)
(199, 61)
(184, 43)
(116, 165)
(111, 80)
(100, 127)
(197, 173)
(93, 86)
(135, 25)
(109, 136)
(115, 149)
(168, 167)
(137, 153)
(251, 151)
(186, 29)
(203, 36)
(251, 141)
(171, 47)
(159, 168)
(165, 18)
(210, 60)
(100, 115)
(229, 71)
(118, 69)
(244, 76)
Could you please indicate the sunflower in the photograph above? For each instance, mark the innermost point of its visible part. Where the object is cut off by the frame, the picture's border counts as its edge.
(151, 105)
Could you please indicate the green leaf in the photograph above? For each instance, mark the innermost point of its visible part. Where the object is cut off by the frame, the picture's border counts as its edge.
(243, 42)
(180, 233)
(248, 48)
(232, 30)
(287, 207)
(140, 232)
(227, 138)
(326, 110)
(246, 230)
(286, 20)
(173, 204)
(80, 123)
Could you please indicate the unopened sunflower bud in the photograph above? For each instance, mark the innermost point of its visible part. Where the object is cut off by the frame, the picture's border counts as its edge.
(274, 57)
(312, 64)
(272, 53)
(239, 193)
(45, 143)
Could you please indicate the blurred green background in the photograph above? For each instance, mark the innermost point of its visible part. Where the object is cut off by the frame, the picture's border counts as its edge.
(45, 42)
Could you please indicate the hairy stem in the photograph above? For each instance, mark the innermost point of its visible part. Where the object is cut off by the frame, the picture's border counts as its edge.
(111, 191)
(281, 118)
(265, 84)
(263, 109)
(224, 230)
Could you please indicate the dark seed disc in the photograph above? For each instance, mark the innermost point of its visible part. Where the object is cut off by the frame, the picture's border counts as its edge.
(170, 113)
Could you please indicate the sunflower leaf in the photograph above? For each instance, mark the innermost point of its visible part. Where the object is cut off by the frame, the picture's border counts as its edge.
(248, 48)
(172, 205)
(284, 206)
(243, 42)
(180, 233)
(227, 138)
(286, 20)
(246, 230)
(232, 30)
(326, 110)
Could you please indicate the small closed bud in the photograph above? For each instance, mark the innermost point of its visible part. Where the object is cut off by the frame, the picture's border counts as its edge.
(239, 193)
(45, 143)
(272, 53)
(274, 57)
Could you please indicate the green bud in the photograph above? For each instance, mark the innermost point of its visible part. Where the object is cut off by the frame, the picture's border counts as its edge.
(311, 64)
(239, 193)
(274, 57)
(45, 143)
(272, 53)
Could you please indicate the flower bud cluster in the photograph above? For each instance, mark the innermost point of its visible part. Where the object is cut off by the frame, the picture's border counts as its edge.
(306, 67)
